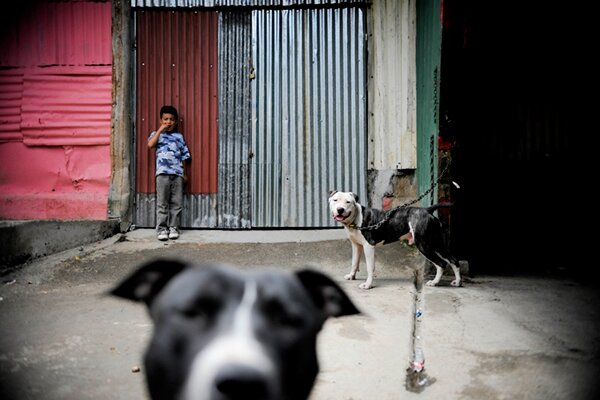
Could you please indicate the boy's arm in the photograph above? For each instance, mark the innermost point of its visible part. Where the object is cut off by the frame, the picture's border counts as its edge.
(186, 164)
(154, 139)
(186, 161)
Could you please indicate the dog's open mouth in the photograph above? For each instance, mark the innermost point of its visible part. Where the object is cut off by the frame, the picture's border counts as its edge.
(339, 217)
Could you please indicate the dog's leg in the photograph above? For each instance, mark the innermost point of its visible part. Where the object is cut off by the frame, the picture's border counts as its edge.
(438, 276)
(370, 259)
(456, 282)
(427, 251)
(433, 257)
(439, 270)
(452, 263)
(429, 240)
(357, 250)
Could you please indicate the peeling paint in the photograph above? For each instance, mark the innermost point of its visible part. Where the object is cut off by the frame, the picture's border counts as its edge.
(54, 182)
(381, 186)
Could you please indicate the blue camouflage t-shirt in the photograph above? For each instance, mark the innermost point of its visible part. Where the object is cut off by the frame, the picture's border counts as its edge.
(171, 151)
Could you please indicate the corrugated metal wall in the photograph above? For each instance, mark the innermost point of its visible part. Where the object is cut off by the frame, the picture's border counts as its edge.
(235, 129)
(45, 33)
(67, 106)
(11, 98)
(55, 86)
(291, 135)
(55, 110)
(176, 59)
(56, 106)
(310, 113)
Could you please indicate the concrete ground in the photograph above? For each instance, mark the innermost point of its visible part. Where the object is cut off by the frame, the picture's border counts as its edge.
(62, 337)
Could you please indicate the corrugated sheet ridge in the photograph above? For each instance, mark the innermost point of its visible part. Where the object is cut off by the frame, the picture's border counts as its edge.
(243, 3)
(69, 109)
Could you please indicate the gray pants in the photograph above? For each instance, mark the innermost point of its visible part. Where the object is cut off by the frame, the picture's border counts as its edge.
(169, 201)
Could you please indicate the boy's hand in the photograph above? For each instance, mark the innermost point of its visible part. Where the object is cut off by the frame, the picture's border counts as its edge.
(153, 140)
(163, 127)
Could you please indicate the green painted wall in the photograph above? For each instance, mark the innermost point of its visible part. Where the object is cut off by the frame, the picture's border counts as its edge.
(429, 46)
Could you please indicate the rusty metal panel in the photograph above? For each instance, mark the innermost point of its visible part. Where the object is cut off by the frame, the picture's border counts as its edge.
(242, 3)
(310, 115)
(58, 33)
(176, 63)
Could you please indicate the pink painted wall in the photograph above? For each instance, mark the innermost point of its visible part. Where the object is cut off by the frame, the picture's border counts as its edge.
(55, 106)
(58, 182)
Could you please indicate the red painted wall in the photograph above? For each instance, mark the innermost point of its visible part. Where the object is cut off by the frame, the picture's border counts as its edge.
(55, 108)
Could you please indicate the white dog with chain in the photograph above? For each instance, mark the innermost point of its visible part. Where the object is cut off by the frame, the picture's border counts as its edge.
(368, 227)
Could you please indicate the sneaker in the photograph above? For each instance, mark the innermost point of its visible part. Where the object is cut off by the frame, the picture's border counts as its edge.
(162, 235)
(173, 233)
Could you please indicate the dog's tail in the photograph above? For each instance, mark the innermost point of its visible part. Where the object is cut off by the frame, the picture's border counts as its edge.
(434, 207)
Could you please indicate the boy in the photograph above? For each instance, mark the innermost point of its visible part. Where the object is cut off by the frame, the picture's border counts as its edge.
(171, 152)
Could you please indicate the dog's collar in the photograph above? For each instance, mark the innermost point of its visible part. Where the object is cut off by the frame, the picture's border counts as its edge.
(353, 226)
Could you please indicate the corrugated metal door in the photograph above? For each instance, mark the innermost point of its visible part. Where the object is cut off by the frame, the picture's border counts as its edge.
(429, 48)
(235, 73)
(309, 128)
(176, 63)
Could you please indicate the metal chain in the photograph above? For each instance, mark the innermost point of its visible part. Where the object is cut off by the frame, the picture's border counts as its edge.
(389, 213)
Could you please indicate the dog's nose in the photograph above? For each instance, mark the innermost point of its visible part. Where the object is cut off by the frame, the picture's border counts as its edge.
(237, 382)
(340, 210)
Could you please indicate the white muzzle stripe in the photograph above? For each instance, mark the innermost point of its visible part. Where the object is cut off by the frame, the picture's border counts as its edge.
(236, 346)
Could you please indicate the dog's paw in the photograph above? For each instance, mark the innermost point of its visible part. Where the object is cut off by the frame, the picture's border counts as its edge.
(349, 277)
(456, 283)
(430, 283)
(365, 286)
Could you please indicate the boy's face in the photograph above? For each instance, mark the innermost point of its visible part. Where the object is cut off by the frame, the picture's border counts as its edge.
(169, 121)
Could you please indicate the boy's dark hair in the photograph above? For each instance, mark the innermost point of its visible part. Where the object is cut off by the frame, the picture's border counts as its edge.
(169, 110)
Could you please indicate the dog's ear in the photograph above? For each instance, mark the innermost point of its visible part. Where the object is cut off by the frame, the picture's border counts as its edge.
(332, 192)
(148, 280)
(326, 294)
(355, 197)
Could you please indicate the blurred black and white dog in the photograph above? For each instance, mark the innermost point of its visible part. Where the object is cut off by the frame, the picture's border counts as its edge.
(225, 334)
(419, 223)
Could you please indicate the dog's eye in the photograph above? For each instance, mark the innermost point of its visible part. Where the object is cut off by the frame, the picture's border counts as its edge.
(203, 308)
(281, 317)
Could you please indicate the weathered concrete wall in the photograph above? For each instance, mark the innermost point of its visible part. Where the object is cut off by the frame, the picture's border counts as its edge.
(23, 241)
(391, 188)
